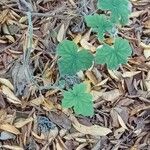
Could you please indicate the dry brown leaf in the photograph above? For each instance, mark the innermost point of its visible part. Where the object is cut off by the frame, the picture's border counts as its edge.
(37, 101)
(9, 128)
(91, 76)
(136, 14)
(48, 105)
(122, 122)
(143, 45)
(41, 137)
(72, 3)
(112, 95)
(147, 53)
(7, 83)
(61, 32)
(147, 81)
(129, 74)
(77, 38)
(97, 94)
(22, 122)
(86, 45)
(6, 31)
(147, 24)
(94, 130)
(10, 95)
(12, 147)
(115, 74)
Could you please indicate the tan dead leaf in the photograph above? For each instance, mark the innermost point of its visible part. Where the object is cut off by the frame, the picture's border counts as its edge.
(136, 14)
(147, 53)
(111, 95)
(72, 3)
(7, 83)
(91, 76)
(86, 45)
(60, 144)
(12, 147)
(147, 24)
(9, 128)
(118, 132)
(61, 32)
(3, 115)
(94, 130)
(37, 101)
(10, 95)
(77, 38)
(4, 15)
(129, 74)
(48, 105)
(81, 146)
(97, 94)
(122, 122)
(22, 122)
(115, 74)
(147, 81)
(6, 31)
(145, 46)
(103, 82)
(41, 137)
(23, 19)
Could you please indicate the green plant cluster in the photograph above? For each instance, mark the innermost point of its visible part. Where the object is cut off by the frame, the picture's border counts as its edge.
(72, 59)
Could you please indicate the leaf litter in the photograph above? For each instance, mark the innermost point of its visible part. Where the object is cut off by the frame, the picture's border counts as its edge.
(31, 116)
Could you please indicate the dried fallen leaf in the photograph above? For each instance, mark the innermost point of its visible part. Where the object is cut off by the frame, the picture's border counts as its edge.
(7, 83)
(23, 122)
(112, 95)
(147, 53)
(37, 101)
(122, 122)
(61, 32)
(10, 95)
(9, 128)
(91, 130)
(147, 24)
(13, 147)
(129, 74)
(147, 81)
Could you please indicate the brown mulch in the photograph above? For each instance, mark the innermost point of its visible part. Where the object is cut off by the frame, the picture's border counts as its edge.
(31, 116)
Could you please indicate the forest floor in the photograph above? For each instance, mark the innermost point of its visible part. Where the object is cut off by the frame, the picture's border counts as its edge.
(31, 115)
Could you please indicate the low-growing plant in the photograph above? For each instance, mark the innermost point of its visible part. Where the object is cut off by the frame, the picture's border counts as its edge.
(72, 59)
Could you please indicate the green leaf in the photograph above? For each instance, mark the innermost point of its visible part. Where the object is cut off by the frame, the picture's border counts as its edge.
(79, 99)
(113, 57)
(99, 23)
(119, 10)
(71, 60)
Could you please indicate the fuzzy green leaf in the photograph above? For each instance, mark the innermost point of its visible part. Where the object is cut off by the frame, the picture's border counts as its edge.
(79, 99)
(113, 57)
(99, 23)
(119, 10)
(71, 60)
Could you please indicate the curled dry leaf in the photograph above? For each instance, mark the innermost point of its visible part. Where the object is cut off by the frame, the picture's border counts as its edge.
(122, 123)
(9, 128)
(10, 95)
(22, 122)
(111, 95)
(94, 130)
(147, 81)
(129, 74)
(61, 33)
(7, 83)
(13, 147)
(115, 74)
